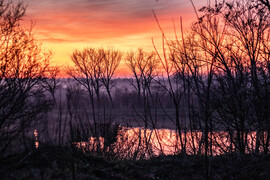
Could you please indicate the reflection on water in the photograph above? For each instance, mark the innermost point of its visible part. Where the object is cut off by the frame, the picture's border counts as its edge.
(94, 144)
(135, 143)
(36, 138)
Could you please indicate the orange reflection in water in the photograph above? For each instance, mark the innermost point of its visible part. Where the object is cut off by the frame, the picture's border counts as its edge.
(36, 138)
(136, 143)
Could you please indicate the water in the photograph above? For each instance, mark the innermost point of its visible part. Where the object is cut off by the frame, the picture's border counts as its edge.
(137, 143)
(36, 138)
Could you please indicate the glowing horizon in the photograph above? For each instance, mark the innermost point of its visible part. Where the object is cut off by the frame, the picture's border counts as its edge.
(64, 25)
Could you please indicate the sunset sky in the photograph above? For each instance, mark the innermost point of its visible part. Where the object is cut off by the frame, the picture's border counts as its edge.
(65, 25)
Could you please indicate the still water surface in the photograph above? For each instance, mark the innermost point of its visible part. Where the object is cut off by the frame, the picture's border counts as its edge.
(139, 143)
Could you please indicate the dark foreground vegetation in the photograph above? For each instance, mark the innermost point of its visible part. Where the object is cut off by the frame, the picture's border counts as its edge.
(211, 83)
(62, 163)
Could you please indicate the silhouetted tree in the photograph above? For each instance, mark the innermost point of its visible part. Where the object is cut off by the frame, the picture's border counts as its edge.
(143, 66)
(87, 72)
(23, 65)
(111, 61)
(94, 69)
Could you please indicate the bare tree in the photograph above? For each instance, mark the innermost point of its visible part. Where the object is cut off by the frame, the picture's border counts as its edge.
(51, 81)
(93, 70)
(23, 65)
(87, 72)
(173, 80)
(143, 66)
(249, 26)
(112, 59)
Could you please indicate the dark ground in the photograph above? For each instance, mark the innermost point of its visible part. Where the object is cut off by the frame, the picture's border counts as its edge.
(56, 163)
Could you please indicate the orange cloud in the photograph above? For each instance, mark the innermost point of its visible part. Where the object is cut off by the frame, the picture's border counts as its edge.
(65, 25)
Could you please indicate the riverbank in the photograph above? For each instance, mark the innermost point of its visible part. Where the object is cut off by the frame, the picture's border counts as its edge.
(61, 163)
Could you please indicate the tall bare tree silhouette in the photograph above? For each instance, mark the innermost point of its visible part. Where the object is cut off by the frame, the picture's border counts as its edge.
(23, 66)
